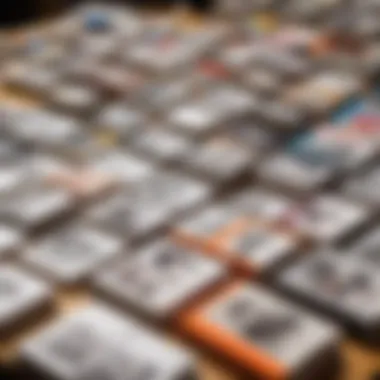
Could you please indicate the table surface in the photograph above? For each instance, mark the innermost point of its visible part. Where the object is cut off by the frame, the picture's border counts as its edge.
(358, 361)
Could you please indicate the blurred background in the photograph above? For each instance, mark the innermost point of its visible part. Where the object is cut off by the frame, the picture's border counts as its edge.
(15, 12)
